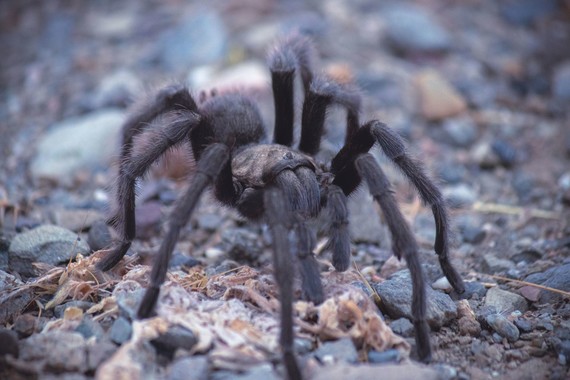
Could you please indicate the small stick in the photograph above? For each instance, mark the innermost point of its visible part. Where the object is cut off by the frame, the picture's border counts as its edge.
(513, 210)
(566, 294)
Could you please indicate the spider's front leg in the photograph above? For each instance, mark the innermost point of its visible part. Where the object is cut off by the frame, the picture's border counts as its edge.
(214, 158)
(280, 221)
(172, 129)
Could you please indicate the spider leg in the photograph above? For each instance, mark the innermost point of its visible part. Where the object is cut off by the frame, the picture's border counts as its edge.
(213, 159)
(174, 128)
(322, 93)
(403, 245)
(394, 147)
(289, 54)
(339, 238)
(169, 98)
(279, 220)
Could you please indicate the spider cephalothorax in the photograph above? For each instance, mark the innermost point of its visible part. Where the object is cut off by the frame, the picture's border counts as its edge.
(277, 183)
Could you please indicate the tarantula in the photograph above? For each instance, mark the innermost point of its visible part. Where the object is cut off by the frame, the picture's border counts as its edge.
(277, 183)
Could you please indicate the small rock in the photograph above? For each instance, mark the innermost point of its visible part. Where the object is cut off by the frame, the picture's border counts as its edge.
(526, 12)
(60, 351)
(83, 142)
(484, 155)
(242, 245)
(8, 343)
(403, 327)
(461, 132)
(412, 29)
(117, 89)
(524, 325)
(473, 289)
(180, 260)
(99, 353)
(176, 337)
(129, 295)
(460, 195)
(25, 325)
(503, 327)
(438, 99)
(472, 234)
(48, 244)
(120, 331)
(12, 306)
(506, 153)
(505, 301)
(451, 173)
(341, 350)
(89, 328)
(396, 295)
(99, 236)
(492, 264)
(531, 293)
(199, 38)
(387, 356)
(196, 365)
(442, 284)
(556, 277)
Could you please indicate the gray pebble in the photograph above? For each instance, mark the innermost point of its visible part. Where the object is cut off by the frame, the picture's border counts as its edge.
(242, 244)
(8, 343)
(99, 236)
(403, 327)
(120, 331)
(176, 337)
(59, 310)
(460, 195)
(503, 327)
(341, 350)
(388, 356)
(462, 133)
(493, 264)
(411, 29)
(396, 294)
(505, 301)
(196, 365)
(48, 244)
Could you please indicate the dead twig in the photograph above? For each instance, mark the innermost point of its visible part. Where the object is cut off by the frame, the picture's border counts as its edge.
(526, 283)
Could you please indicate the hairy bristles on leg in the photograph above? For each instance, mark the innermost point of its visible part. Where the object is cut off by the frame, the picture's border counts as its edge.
(324, 92)
(339, 238)
(403, 244)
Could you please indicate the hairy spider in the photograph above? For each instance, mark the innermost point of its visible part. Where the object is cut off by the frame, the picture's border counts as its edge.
(277, 183)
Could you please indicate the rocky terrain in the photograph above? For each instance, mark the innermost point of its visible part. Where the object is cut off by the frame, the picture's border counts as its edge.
(479, 89)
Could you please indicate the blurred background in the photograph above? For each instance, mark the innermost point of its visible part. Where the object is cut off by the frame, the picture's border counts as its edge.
(480, 89)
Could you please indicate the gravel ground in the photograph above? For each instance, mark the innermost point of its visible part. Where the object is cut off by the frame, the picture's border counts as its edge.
(479, 89)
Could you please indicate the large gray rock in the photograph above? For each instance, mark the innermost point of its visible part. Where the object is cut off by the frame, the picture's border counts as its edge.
(396, 295)
(48, 244)
(364, 371)
(84, 142)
